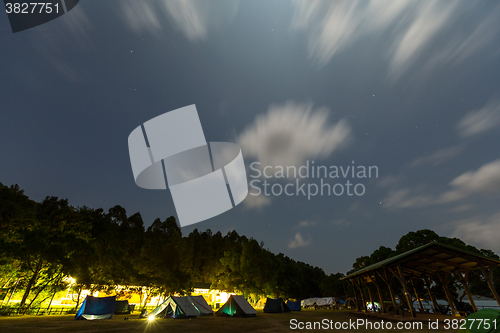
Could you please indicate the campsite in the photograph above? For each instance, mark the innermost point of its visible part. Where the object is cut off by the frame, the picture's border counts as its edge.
(389, 285)
(263, 322)
(250, 166)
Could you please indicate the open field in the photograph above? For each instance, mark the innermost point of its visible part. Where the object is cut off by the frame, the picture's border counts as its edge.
(262, 323)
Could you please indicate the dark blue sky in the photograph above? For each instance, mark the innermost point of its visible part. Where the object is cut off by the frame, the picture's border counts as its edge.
(411, 87)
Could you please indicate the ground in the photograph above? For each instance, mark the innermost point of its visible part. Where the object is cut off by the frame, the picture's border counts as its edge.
(264, 322)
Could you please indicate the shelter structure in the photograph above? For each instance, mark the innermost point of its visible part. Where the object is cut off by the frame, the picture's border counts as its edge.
(201, 305)
(275, 305)
(175, 307)
(97, 308)
(236, 306)
(430, 262)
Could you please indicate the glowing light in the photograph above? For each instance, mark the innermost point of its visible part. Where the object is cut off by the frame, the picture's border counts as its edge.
(70, 280)
(151, 318)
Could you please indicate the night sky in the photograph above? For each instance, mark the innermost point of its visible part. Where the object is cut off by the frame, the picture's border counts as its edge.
(411, 87)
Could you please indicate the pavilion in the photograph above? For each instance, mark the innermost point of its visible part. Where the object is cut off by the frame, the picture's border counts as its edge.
(430, 262)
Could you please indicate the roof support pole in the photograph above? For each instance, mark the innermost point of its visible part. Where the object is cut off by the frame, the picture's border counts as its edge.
(386, 280)
(488, 275)
(351, 283)
(363, 305)
(428, 286)
(444, 280)
(398, 272)
(416, 295)
(464, 278)
(381, 300)
(369, 294)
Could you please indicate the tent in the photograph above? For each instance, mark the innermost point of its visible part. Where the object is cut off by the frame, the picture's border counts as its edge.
(175, 307)
(97, 308)
(293, 306)
(305, 303)
(325, 301)
(201, 305)
(122, 307)
(237, 306)
(275, 305)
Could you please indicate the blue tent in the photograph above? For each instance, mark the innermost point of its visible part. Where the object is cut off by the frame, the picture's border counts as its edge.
(293, 306)
(97, 308)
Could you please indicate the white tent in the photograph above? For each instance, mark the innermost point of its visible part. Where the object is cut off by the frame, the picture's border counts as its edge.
(326, 301)
(308, 302)
(175, 307)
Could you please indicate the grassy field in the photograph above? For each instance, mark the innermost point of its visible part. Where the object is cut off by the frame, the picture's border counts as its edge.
(262, 323)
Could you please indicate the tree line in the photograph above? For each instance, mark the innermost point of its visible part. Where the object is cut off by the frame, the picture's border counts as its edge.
(41, 243)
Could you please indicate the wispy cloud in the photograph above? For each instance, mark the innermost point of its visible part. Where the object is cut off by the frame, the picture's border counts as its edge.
(330, 26)
(427, 19)
(479, 121)
(53, 48)
(305, 224)
(486, 180)
(194, 18)
(408, 26)
(189, 16)
(464, 45)
(299, 241)
(387, 181)
(291, 133)
(461, 208)
(341, 223)
(256, 201)
(483, 181)
(479, 231)
(141, 16)
(439, 157)
(406, 198)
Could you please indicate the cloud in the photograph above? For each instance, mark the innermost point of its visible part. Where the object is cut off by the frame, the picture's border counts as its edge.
(256, 201)
(461, 47)
(305, 224)
(55, 51)
(439, 157)
(332, 26)
(461, 208)
(406, 198)
(298, 241)
(429, 17)
(141, 16)
(479, 121)
(194, 18)
(409, 27)
(291, 133)
(387, 181)
(340, 223)
(481, 232)
(189, 16)
(483, 181)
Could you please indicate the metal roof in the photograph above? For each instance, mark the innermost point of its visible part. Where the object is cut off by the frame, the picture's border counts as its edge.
(431, 259)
